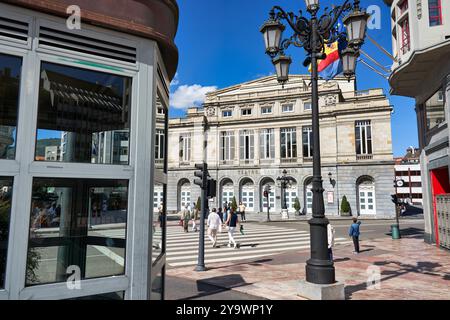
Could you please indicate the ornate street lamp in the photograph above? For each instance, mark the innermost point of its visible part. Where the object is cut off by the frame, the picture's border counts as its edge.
(312, 35)
(285, 182)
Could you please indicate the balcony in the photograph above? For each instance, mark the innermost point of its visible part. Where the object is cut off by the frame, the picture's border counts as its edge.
(288, 160)
(364, 157)
(246, 162)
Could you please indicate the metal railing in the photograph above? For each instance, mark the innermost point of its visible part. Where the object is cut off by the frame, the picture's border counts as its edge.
(443, 219)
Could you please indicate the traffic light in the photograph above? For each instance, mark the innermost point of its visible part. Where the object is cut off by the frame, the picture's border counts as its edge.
(212, 188)
(394, 198)
(202, 174)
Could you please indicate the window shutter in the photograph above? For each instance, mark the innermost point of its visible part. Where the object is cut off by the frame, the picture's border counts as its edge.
(232, 146)
(252, 145)
(261, 144)
(241, 145)
(272, 143)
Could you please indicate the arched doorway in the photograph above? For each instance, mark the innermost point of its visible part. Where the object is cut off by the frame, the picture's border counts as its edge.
(247, 192)
(184, 193)
(263, 200)
(291, 195)
(308, 196)
(226, 191)
(366, 195)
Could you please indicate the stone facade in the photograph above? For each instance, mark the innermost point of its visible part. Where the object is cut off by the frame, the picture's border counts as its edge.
(261, 146)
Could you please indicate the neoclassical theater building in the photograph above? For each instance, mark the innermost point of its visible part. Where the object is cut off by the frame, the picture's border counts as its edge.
(255, 130)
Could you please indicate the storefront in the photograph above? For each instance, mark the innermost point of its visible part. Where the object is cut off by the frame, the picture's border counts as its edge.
(79, 112)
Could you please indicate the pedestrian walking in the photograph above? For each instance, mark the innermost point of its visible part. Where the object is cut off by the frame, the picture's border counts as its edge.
(354, 233)
(214, 224)
(242, 211)
(225, 213)
(330, 231)
(220, 213)
(194, 216)
(232, 223)
(185, 217)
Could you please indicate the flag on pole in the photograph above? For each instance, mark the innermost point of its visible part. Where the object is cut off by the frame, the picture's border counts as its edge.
(332, 66)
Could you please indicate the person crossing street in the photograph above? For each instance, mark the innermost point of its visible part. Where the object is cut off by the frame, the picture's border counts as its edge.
(213, 223)
(242, 211)
(232, 222)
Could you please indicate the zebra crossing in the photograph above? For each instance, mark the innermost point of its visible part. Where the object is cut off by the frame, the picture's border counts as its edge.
(257, 241)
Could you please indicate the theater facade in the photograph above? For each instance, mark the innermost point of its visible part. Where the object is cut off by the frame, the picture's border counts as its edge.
(256, 130)
(79, 112)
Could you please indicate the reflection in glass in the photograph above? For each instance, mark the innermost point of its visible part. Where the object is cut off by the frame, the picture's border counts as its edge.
(84, 116)
(10, 69)
(435, 110)
(76, 222)
(5, 213)
(159, 188)
(159, 220)
(119, 295)
(157, 287)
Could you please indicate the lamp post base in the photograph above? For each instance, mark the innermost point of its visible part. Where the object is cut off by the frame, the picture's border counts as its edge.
(314, 291)
(200, 268)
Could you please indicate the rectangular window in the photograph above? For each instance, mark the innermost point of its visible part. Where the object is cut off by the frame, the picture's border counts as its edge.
(10, 75)
(307, 142)
(246, 144)
(227, 146)
(88, 108)
(76, 222)
(246, 112)
(227, 114)
(406, 44)
(159, 145)
(266, 110)
(435, 110)
(288, 143)
(185, 147)
(307, 106)
(161, 111)
(435, 12)
(287, 108)
(267, 144)
(6, 189)
(363, 137)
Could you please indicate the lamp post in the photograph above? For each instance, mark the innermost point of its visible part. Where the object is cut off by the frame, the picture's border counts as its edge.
(312, 35)
(284, 181)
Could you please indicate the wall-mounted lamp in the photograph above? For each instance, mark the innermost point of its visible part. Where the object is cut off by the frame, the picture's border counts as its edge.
(332, 181)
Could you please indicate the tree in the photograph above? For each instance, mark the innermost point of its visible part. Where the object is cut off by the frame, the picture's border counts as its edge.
(345, 207)
(297, 205)
(234, 204)
(198, 205)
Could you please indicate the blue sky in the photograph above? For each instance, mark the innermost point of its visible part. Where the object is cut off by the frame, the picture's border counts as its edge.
(220, 45)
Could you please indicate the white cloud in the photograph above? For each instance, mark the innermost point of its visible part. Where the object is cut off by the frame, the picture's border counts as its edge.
(187, 96)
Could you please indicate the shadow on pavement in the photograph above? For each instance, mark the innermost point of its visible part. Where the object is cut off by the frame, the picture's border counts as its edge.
(410, 232)
(422, 267)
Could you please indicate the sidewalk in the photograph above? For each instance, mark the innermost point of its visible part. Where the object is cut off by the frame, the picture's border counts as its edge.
(410, 269)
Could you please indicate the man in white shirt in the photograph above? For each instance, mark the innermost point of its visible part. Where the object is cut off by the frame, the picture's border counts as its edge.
(213, 224)
(330, 232)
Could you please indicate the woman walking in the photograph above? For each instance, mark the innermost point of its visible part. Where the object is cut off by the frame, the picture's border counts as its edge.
(232, 223)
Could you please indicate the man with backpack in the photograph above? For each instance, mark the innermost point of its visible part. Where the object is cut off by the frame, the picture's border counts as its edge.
(185, 217)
